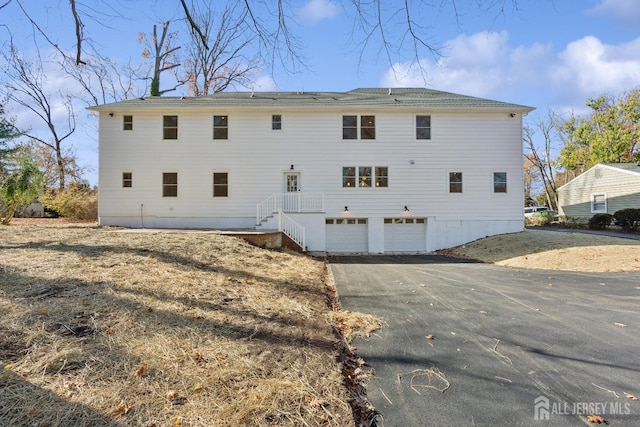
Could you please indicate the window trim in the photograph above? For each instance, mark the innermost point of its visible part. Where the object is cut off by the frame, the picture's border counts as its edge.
(166, 128)
(225, 185)
(127, 124)
(418, 128)
(169, 185)
(127, 180)
(498, 184)
(451, 183)
(593, 202)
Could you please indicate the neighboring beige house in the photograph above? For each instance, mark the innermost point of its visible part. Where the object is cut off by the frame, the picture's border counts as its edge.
(363, 171)
(605, 188)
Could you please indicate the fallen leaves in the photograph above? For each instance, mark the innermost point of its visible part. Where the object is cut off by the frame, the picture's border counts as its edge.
(630, 396)
(122, 408)
(596, 419)
(143, 370)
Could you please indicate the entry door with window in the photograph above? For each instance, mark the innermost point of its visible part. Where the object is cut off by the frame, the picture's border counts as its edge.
(291, 197)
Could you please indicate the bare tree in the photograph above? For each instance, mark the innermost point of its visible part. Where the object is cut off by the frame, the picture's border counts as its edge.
(541, 157)
(164, 56)
(26, 86)
(216, 57)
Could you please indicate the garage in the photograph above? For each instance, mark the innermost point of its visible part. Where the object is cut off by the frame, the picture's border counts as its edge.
(346, 235)
(405, 235)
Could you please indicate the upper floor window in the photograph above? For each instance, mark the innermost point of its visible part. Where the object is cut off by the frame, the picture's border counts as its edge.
(220, 127)
(170, 127)
(127, 123)
(499, 182)
(276, 122)
(170, 184)
(350, 127)
(599, 203)
(455, 182)
(127, 179)
(220, 184)
(365, 176)
(423, 127)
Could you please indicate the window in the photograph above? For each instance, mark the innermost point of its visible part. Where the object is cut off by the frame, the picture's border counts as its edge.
(365, 176)
(170, 127)
(368, 127)
(220, 127)
(382, 178)
(220, 184)
(598, 203)
(276, 122)
(350, 127)
(499, 182)
(423, 127)
(455, 182)
(127, 179)
(169, 184)
(127, 123)
(349, 176)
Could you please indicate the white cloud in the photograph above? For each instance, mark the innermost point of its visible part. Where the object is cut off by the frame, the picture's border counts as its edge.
(484, 64)
(316, 10)
(588, 67)
(625, 12)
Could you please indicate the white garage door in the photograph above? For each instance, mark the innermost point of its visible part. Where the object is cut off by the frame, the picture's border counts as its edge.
(405, 235)
(347, 235)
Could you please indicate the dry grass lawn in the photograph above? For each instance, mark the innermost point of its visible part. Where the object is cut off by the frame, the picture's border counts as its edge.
(553, 250)
(105, 328)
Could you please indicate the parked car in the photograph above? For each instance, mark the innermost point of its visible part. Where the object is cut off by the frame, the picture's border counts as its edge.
(530, 211)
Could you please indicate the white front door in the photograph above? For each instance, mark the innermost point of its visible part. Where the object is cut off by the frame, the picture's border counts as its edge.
(291, 199)
(291, 182)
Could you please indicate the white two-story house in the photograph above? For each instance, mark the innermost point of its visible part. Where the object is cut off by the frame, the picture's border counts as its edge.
(364, 171)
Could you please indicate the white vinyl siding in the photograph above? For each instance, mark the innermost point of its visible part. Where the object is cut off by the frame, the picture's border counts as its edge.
(475, 143)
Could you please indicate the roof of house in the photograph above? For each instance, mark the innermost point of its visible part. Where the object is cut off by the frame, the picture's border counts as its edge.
(627, 167)
(372, 98)
(632, 168)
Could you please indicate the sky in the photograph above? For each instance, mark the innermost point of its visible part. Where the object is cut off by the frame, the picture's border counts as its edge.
(548, 54)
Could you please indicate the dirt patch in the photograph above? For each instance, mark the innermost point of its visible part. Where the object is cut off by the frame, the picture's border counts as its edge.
(554, 250)
(188, 329)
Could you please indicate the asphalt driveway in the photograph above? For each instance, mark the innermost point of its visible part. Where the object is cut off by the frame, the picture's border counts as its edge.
(510, 347)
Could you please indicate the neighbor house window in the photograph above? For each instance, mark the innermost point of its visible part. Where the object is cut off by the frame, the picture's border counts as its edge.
(349, 176)
(423, 127)
(598, 203)
(455, 182)
(220, 127)
(169, 184)
(170, 127)
(127, 179)
(499, 182)
(382, 176)
(365, 176)
(276, 122)
(367, 127)
(220, 184)
(127, 123)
